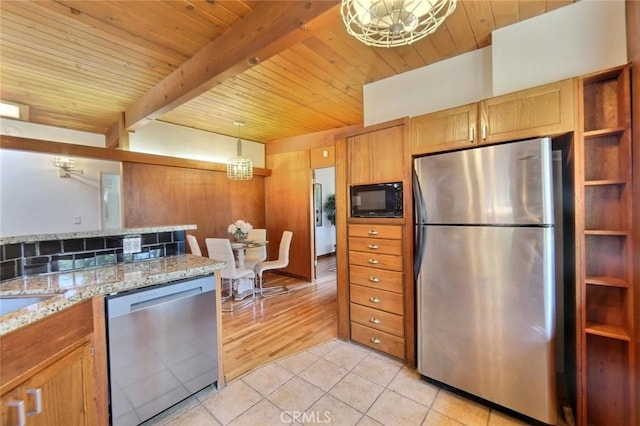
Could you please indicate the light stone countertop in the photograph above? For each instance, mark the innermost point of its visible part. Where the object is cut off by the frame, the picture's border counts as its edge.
(79, 285)
(96, 233)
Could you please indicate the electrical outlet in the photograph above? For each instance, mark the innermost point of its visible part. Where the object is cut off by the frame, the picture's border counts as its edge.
(77, 220)
(131, 245)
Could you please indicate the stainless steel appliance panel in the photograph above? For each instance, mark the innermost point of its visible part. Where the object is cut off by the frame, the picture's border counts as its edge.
(499, 184)
(485, 314)
(162, 347)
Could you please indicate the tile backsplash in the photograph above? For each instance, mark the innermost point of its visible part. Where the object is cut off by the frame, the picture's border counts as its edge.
(41, 257)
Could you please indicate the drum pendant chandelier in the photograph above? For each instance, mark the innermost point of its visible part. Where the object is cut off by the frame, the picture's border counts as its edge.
(391, 23)
(239, 168)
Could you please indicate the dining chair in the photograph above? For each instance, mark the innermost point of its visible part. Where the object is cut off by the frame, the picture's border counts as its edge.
(193, 245)
(220, 249)
(255, 255)
(281, 262)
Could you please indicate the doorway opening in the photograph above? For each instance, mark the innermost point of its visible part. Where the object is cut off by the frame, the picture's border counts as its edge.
(324, 229)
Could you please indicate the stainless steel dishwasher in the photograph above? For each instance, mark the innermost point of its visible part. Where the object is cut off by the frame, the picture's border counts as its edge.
(162, 346)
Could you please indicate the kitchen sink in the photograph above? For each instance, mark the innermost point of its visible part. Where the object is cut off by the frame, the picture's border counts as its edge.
(10, 304)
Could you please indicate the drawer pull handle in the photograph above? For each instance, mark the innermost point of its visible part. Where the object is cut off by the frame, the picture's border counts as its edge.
(374, 320)
(19, 405)
(374, 261)
(373, 247)
(374, 279)
(375, 341)
(38, 396)
(374, 299)
(372, 232)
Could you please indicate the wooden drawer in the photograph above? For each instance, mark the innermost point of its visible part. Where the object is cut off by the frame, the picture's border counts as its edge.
(376, 278)
(380, 320)
(377, 299)
(376, 231)
(374, 260)
(376, 245)
(379, 340)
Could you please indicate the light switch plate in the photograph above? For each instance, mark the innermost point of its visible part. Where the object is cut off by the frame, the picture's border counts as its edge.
(131, 245)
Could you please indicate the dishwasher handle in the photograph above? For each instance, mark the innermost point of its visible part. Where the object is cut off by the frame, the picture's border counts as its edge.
(145, 298)
(150, 303)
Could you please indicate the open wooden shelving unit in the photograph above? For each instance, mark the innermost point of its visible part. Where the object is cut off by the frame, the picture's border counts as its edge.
(605, 307)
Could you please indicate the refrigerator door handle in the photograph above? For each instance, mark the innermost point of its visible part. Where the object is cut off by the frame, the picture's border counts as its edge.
(420, 231)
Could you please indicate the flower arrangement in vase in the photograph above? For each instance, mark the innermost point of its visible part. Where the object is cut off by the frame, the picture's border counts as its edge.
(239, 229)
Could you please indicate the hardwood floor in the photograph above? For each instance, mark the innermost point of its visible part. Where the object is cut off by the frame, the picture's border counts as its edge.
(279, 326)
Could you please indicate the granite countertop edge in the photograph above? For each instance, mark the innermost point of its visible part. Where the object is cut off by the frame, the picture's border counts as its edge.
(69, 288)
(94, 233)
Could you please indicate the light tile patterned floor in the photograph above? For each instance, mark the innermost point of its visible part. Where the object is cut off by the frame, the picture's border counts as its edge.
(336, 383)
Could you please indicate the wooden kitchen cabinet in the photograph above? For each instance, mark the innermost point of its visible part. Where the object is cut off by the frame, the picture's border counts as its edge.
(540, 111)
(446, 130)
(377, 155)
(376, 287)
(49, 367)
(57, 395)
(604, 250)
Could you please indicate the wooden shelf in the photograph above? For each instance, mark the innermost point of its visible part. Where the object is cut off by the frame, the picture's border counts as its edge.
(604, 251)
(609, 331)
(591, 134)
(607, 281)
(606, 232)
(604, 182)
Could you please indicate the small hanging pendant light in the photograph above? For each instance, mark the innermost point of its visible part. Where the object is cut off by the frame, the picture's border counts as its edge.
(239, 168)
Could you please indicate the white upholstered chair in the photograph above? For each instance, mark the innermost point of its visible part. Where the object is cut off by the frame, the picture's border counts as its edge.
(193, 245)
(281, 262)
(255, 255)
(220, 249)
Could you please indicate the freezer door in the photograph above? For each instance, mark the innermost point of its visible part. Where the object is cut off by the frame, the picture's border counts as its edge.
(499, 184)
(486, 315)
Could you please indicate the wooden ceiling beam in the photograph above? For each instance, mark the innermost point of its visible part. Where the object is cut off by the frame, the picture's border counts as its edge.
(75, 150)
(271, 28)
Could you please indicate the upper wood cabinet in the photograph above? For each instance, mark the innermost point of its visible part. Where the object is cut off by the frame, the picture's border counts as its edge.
(444, 130)
(376, 156)
(541, 111)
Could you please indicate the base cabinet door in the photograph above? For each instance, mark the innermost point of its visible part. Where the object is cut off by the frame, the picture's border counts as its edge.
(12, 410)
(65, 394)
(58, 395)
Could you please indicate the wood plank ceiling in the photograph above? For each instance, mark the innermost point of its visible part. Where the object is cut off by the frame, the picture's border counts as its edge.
(82, 64)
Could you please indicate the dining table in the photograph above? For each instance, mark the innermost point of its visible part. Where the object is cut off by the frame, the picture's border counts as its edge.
(240, 247)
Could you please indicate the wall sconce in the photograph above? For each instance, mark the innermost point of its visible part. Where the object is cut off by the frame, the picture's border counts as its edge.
(66, 166)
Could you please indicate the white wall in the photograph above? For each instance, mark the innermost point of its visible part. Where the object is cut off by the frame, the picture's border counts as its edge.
(162, 138)
(35, 200)
(582, 38)
(456, 81)
(49, 133)
(326, 234)
(577, 39)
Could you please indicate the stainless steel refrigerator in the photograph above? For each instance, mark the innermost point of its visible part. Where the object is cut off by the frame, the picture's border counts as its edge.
(485, 274)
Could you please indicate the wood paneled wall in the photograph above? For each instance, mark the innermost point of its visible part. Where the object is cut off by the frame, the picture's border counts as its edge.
(155, 195)
(633, 53)
(288, 198)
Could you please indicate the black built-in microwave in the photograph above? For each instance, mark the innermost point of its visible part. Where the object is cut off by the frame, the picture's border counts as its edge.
(376, 200)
